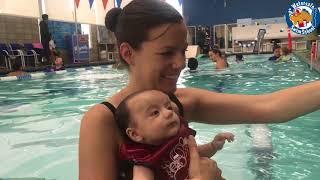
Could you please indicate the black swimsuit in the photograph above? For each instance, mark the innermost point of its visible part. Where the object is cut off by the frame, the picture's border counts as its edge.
(127, 166)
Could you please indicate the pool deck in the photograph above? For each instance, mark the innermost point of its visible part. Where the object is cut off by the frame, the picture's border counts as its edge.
(305, 56)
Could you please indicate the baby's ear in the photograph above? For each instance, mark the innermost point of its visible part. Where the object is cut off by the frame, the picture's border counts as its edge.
(134, 135)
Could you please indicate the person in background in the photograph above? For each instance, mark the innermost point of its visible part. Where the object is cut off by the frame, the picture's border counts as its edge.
(52, 46)
(285, 55)
(201, 38)
(58, 63)
(224, 56)
(276, 53)
(45, 37)
(239, 58)
(192, 64)
(17, 70)
(215, 47)
(217, 57)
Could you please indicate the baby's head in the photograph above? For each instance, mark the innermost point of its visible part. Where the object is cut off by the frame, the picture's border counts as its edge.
(285, 51)
(148, 117)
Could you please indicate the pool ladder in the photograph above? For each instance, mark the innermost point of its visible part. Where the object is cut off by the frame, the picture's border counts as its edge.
(260, 37)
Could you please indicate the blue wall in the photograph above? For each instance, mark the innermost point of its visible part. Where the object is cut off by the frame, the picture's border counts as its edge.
(60, 30)
(211, 12)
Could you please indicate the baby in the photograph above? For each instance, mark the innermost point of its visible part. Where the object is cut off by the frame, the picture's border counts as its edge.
(285, 55)
(154, 136)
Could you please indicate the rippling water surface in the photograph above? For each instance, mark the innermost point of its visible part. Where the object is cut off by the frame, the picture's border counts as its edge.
(40, 120)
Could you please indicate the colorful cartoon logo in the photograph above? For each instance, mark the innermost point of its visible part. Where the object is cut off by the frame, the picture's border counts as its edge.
(303, 17)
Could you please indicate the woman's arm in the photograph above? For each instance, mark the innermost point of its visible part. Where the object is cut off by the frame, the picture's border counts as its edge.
(281, 106)
(98, 145)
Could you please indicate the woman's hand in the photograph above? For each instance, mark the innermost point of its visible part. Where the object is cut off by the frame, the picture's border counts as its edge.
(201, 168)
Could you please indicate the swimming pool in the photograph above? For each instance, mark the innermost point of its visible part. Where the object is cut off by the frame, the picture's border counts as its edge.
(40, 118)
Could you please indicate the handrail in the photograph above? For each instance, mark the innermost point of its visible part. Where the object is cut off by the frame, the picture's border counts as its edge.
(267, 47)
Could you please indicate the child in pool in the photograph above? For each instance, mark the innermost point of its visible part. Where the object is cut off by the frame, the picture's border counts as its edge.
(58, 63)
(192, 64)
(239, 58)
(154, 136)
(285, 55)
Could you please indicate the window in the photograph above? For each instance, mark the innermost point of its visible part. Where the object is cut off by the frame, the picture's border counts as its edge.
(85, 29)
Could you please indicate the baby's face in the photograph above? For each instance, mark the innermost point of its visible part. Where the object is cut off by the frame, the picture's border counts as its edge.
(153, 117)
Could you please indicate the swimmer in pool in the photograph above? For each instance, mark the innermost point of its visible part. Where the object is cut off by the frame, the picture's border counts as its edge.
(216, 56)
(192, 64)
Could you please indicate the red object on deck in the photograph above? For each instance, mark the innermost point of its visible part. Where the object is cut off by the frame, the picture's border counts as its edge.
(314, 51)
(289, 40)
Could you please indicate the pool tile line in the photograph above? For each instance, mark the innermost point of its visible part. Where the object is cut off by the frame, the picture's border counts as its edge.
(42, 74)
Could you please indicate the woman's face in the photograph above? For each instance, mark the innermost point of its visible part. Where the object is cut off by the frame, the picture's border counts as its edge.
(159, 61)
(212, 56)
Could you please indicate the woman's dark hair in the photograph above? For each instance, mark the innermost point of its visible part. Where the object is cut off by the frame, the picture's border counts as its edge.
(215, 51)
(193, 63)
(132, 23)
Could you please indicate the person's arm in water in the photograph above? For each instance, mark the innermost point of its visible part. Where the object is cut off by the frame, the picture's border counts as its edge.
(98, 145)
(278, 107)
(209, 149)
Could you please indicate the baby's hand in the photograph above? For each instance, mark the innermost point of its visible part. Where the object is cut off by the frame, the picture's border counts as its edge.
(220, 138)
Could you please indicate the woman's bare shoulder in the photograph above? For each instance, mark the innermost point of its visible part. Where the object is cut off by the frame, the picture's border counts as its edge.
(98, 144)
(99, 113)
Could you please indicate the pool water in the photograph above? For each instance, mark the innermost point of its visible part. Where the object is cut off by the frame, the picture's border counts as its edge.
(40, 121)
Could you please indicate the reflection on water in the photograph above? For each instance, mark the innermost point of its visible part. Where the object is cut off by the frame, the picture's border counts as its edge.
(40, 121)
